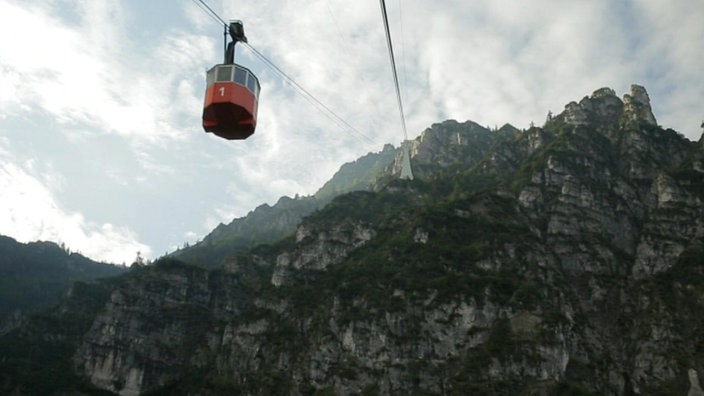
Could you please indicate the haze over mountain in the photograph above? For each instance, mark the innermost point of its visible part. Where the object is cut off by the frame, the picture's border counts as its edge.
(565, 259)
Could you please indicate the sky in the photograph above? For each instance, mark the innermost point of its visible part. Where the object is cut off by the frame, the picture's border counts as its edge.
(101, 144)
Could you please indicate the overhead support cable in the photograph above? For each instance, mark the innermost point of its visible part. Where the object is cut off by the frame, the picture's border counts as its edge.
(308, 96)
(406, 172)
(205, 7)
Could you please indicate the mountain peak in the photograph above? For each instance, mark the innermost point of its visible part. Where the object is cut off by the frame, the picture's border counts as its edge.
(637, 106)
(604, 107)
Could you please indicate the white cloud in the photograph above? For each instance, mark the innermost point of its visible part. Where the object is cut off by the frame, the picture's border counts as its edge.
(31, 213)
(671, 58)
(89, 73)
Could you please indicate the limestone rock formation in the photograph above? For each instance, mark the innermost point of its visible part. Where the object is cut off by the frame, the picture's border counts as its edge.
(519, 259)
(604, 107)
(637, 106)
(562, 259)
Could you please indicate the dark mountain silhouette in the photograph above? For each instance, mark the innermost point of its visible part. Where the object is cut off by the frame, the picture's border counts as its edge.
(37, 275)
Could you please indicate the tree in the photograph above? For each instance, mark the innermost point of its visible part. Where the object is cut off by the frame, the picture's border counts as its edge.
(139, 260)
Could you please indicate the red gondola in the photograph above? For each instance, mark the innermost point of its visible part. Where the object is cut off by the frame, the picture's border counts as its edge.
(232, 94)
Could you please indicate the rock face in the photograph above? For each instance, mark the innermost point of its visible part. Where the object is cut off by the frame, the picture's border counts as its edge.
(604, 107)
(637, 106)
(563, 259)
(694, 388)
(599, 208)
(320, 249)
(450, 145)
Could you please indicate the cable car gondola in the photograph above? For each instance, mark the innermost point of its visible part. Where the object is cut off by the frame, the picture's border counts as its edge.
(231, 95)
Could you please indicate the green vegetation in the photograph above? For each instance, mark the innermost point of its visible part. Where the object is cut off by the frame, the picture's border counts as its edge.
(450, 247)
(264, 225)
(35, 276)
(571, 389)
(33, 363)
(357, 175)
(270, 224)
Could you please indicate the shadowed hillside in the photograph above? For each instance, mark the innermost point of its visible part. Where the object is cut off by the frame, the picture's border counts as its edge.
(37, 275)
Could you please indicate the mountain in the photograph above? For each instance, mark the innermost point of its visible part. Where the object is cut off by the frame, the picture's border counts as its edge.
(566, 259)
(267, 224)
(36, 275)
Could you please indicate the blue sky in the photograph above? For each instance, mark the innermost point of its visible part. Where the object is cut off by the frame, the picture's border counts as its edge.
(101, 146)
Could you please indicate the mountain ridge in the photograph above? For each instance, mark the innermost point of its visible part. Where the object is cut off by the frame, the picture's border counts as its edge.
(267, 224)
(558, 260)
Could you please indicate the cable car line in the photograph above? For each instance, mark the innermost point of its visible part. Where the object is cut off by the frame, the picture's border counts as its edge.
(404, 76)
(320, 106)
(205, 7)
(406, 170)
(308, 96)
(393, 66)
(212, 14)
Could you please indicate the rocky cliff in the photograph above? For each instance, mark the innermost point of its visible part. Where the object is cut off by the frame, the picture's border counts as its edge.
(566, 259)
